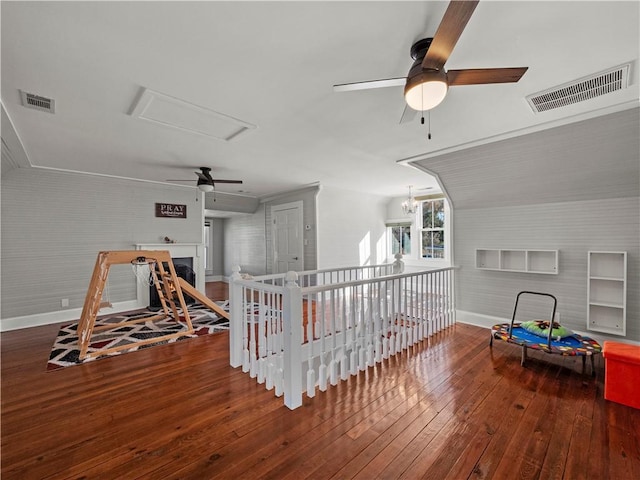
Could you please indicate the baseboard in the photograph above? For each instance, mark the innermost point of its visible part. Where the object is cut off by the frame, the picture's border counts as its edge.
(214, 278)
(478, 319)
(39, 319)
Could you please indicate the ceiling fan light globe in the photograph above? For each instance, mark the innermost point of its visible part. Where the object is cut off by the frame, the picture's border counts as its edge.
(426, 89)
(205, 187)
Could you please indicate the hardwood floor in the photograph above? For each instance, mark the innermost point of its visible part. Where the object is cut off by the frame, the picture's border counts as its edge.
(452, 408)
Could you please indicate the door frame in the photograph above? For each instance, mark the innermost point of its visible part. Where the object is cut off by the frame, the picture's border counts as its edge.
(298, 205)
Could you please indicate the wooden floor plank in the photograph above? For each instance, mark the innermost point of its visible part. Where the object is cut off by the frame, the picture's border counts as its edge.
(448, 408)
(434, 459)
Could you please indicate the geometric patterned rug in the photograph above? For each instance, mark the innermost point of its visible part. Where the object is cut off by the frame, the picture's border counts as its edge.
(66, 350)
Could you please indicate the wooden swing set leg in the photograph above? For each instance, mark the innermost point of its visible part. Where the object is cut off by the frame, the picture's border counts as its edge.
(92, 303)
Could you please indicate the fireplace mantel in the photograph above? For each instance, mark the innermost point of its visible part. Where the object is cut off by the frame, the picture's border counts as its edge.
(176, 250)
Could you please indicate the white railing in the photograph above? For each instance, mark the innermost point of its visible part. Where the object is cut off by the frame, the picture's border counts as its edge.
(297, 332)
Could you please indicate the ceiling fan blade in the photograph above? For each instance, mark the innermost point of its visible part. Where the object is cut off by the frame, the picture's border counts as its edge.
(408, 114)
(217, 180)
(451, 27)
(387, 82)
(203, 177)
(479, 76)
(180, 180)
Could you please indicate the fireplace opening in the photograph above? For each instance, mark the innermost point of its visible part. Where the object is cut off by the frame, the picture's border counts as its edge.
(184, 269)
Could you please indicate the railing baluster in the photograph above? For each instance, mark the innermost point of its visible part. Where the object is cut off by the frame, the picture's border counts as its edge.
(421, 307)
(369, 325)
(333, 365)
(311, 373)
(344, 298)
(377, 323)
(385, 320)
(440, 304)
(322, 371)
(432, 297)
(415, 320)
(423, 303)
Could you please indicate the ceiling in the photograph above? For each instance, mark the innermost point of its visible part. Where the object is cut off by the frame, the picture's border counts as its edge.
(593, 159)
(272, 66)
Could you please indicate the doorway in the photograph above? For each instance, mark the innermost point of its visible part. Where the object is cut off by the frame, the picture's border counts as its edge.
(287, 236)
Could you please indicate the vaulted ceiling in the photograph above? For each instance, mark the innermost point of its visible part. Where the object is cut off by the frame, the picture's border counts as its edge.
(270, 66)
(592, 159)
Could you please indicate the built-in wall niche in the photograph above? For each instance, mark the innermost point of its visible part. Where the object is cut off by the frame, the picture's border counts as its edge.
(517, 260)
(607, 292)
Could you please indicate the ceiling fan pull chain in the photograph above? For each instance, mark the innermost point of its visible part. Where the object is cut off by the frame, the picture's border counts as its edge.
(422, 112)
(429, 131)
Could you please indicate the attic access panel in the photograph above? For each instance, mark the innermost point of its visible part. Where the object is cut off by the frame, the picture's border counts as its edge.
(173, 112)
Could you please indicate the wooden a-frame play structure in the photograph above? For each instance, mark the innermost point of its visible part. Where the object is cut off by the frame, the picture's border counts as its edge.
(170, 290)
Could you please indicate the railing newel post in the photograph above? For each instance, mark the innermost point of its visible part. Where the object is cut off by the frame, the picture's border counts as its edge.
(236, 319)
(292, 343)
(398, 264)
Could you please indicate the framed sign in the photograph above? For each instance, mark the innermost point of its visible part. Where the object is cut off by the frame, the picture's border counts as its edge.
(171, 210)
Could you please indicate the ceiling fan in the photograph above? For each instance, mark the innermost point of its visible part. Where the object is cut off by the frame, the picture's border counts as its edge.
(427, 82)
(205, 182)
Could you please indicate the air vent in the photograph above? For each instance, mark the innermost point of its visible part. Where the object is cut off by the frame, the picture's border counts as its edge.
(38, 102)
(580, 90)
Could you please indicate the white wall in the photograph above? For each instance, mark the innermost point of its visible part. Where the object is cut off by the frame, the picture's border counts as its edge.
(55, 223)
(248, 241)
(573, 228)
(351, 228)
(245, 243)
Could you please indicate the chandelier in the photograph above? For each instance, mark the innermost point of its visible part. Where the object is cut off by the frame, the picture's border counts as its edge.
(410, 205)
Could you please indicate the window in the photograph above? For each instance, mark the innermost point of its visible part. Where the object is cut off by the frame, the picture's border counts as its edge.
(400, 239)
(432, 229)
(425, 236)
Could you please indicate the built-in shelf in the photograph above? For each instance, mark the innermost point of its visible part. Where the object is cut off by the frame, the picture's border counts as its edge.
(513, 260)
(607, 292)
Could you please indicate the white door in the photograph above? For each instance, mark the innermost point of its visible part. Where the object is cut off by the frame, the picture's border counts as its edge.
(287, 237)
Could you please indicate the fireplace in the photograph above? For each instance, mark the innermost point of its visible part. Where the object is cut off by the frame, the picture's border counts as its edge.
(189, 255)
(183, 267)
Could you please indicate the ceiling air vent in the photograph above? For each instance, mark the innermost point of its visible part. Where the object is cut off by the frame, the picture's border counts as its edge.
(580, 90)
(37, 102)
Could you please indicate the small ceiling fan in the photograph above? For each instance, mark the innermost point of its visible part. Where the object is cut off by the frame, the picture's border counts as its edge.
(427, 82)
(205, 182)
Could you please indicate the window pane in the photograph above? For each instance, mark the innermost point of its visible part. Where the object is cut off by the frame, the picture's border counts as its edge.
(395, 240)
(433, 244)
(406, 240)
(400, 240)
(427, 244)
(438, 214)
(427, 215)
(438, 244)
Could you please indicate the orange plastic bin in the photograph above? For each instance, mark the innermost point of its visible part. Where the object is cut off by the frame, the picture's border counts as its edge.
(622, 373)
